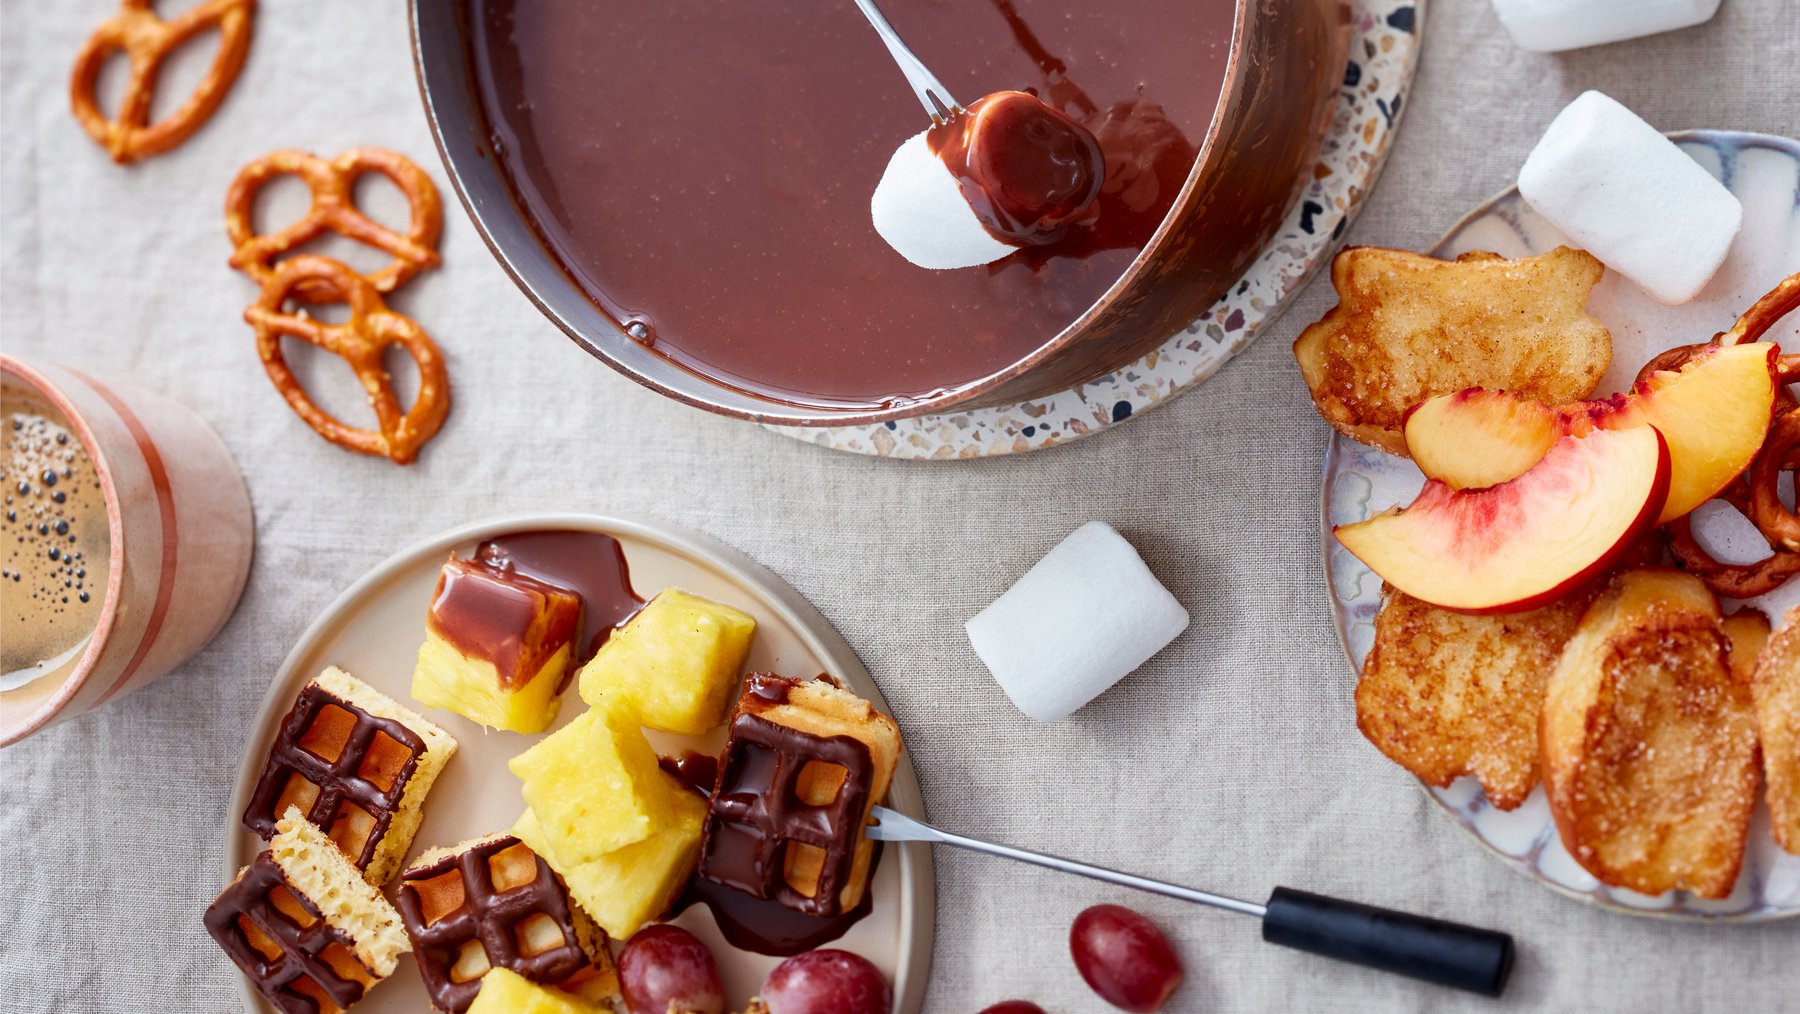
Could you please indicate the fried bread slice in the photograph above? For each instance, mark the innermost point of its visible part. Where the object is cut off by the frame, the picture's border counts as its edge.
(1447, 694)
(1649, 740)
(1408, 327)
(1777, 692)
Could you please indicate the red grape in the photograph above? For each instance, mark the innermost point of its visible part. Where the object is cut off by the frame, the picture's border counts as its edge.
(667, 964)
(827, 982)
(1013, 1007)
(1124, 958)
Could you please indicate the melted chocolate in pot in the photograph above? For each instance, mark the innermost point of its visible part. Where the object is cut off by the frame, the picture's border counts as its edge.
(705, 170)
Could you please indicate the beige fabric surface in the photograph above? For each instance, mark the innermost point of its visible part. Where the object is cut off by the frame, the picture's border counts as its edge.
(1230, 762)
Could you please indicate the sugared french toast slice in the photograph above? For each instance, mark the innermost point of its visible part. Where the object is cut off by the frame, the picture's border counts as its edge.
(1408, 327)
(1649, 740)
(1447, 694)
(1777, 692)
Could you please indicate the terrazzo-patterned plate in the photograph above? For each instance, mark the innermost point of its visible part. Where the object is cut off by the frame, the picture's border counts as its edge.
(1764, 172)
(1384, 52)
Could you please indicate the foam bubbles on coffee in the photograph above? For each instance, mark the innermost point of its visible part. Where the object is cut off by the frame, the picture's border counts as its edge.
(54, 542)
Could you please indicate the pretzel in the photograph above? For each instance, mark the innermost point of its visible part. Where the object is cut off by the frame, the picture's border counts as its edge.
(1775, 304)
(334, 209)
(146, 40)
(1767, 512)
(1738, 581)
(361, 340)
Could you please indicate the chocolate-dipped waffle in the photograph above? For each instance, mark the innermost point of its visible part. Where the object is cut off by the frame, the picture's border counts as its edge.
(493, 903)
(805, 762)
(302, 924)
(356, 764)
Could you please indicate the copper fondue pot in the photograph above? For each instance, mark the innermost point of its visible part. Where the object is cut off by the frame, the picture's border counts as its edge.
(1281, 80)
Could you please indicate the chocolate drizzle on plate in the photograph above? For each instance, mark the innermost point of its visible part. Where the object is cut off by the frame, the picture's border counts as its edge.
(589, 564)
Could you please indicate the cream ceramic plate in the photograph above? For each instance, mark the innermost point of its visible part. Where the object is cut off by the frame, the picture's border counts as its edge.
(1764, 172)
(374, 630)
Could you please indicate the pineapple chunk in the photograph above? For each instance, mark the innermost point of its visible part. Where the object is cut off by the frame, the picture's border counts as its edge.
(497, 646)
(594, 785)
(504, 991)
(676, 662)
(634, 885)
(445, 678)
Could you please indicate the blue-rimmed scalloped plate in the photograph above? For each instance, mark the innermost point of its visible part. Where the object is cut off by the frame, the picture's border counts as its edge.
(1359, 481)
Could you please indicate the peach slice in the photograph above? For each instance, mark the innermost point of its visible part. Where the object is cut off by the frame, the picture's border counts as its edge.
(1713, 411)
(1527, 542)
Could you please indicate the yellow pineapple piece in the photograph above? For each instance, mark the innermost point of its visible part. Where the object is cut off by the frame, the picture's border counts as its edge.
(504, 991)
(676, 662)
(627, 888)
(497, 646)
(594, 785)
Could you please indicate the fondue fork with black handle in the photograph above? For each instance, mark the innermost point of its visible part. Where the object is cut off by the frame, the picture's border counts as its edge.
(1446, 953)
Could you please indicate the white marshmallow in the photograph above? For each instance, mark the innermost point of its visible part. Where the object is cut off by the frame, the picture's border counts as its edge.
(1079, 621)
(1626, 193)
(919, 208)
(1551, 26)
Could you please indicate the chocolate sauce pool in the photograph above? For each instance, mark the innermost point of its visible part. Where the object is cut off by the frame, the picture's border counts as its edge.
(704, 170)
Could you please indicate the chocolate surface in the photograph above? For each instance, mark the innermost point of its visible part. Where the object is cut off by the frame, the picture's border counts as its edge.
(491, 611)
(491, 916)
(703, 172)
(341, 780)
(301, 947)
(590, 564)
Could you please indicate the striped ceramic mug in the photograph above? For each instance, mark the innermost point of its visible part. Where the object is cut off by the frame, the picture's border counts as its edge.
(177, 541)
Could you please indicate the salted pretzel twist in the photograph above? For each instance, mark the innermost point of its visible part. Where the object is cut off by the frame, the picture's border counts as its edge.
(1767, 512)
(334, 209)
(147, 40)
(1753, 323)
(361, 341)
(1733, 580)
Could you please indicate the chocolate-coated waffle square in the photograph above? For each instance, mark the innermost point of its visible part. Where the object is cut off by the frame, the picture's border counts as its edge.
(786, 818)
(355, 764)
(294, 957)
(491, 903)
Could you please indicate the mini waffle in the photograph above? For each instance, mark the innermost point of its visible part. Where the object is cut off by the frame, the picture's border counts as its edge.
(311, 934)
(804, 764)
(356, 764)
(494, 904)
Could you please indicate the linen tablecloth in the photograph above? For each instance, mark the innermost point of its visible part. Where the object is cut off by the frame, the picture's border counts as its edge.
(1231, 761)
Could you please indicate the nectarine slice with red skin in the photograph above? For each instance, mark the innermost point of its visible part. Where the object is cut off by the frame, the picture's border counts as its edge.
(1527, 542)
(1714, 412)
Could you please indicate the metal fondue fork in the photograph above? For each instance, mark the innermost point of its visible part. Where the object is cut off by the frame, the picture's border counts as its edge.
(1447, 953)
(931, 92)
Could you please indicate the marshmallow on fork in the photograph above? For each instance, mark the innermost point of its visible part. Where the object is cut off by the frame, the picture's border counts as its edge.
(1629, 196)
(919, 208)
(1079, 621)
